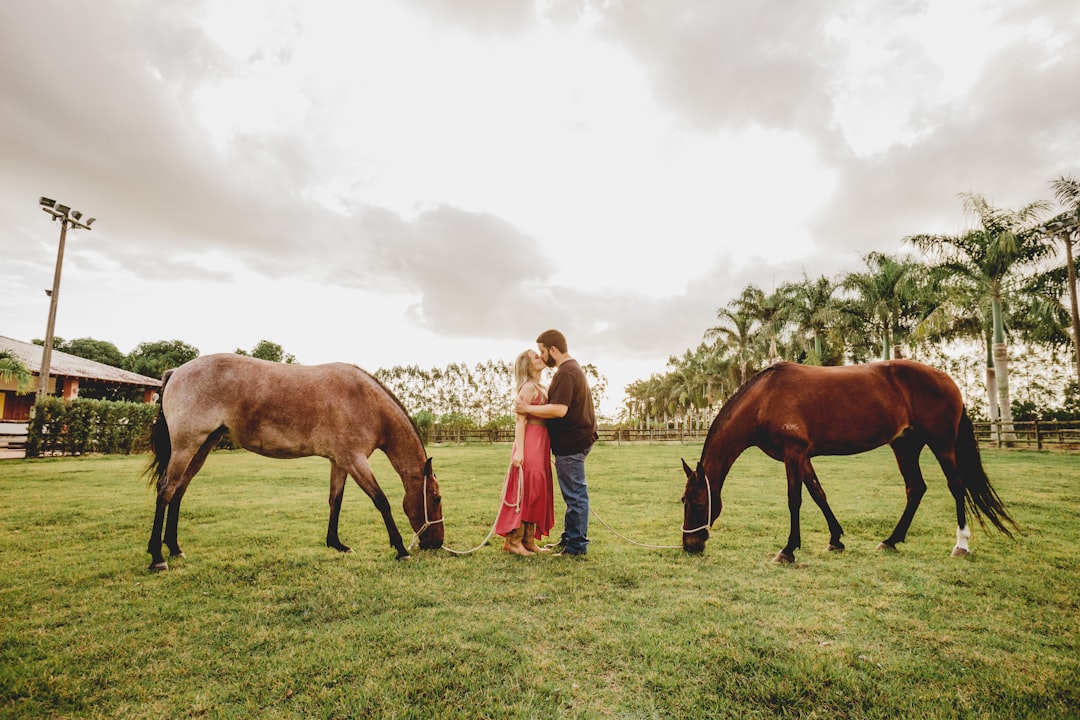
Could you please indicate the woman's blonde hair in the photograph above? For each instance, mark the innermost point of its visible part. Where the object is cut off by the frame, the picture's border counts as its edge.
(522, 366)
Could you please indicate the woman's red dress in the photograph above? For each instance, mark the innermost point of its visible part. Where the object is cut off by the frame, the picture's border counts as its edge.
(537, 492)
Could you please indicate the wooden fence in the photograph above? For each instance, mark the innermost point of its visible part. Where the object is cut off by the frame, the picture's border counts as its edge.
(12, 439)
(1041, 435)
(1034, 434)
(608, 435)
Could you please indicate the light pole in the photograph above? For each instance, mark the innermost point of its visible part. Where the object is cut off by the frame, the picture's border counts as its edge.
(67, 217)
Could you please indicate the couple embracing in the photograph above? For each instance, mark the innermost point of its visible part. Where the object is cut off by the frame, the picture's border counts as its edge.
(561, 421)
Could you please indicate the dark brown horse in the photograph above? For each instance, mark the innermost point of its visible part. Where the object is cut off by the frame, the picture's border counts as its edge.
(795, 412)
(334, 411)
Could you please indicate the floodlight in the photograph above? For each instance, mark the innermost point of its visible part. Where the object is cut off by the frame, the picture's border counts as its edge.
(68, 219)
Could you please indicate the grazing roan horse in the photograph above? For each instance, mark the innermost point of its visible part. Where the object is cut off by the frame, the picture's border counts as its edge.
(335, 411)
(795, 412)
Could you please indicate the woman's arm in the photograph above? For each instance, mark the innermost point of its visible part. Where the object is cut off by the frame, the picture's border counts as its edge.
(519, 440)
(525, 395)
(541, 411)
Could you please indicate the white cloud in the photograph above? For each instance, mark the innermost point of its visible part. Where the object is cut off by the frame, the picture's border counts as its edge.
(427, 182)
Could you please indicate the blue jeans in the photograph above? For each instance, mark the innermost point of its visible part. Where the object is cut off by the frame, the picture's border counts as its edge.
(571, 472)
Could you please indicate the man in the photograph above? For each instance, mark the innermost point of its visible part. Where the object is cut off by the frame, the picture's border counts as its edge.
(572, 427)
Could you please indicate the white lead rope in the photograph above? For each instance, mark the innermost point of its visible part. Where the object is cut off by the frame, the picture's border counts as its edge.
(502, 498)
(632, 542)
(517, 508)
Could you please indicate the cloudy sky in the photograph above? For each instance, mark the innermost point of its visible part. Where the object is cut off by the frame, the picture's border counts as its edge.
(435, 181)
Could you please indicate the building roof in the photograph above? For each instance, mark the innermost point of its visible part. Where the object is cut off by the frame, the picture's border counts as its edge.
(63, 364)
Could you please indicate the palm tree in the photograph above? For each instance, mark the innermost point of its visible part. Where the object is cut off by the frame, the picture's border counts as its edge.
(738, 331)
(717, 374)
(990, 256)
(1067, 228)
(1039, 316)
(646, 400)
(750, 326)
(888, 300)
(814, 311)
(12, 368)
(773, 313)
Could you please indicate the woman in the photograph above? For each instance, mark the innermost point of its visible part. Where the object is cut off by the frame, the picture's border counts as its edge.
(528, 507)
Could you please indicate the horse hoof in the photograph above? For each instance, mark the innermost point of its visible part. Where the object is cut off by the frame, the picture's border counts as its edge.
(783, 558)
(158, 567)
(886, 547)
(835, 548)
(960, 552)
(404, 558)
(178, 554)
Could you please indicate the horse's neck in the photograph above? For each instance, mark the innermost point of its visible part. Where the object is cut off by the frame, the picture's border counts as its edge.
(724, 445)
(404, 448)
(717, 467)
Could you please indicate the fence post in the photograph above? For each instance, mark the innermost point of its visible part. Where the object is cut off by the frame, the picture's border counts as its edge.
(1038, 435)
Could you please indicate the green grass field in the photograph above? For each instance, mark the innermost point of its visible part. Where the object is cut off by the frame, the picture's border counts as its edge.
(262, 620)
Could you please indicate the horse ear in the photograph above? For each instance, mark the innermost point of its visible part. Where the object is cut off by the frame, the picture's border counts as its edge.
(686, 468)
(427, 467)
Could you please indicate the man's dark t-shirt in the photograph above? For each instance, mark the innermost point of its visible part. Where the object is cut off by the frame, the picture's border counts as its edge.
(575, 432)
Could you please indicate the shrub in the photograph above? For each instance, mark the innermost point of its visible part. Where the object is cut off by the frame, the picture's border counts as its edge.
(89, 426)
(424, 420)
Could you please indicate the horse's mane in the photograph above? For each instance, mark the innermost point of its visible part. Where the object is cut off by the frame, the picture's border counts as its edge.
(733, 403)
(397, 402)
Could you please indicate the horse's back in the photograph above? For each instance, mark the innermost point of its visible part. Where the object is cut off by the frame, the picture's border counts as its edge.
(934, 402)
(275, 409)
(851, 408)
(891, 381)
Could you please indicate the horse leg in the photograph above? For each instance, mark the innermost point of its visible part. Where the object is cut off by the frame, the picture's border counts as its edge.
(157, 562)
(171, 521)
(810, 479)
(947, 461)
(194, 465)
(361, 473)
(907, 459)
(182, 466)
(167, 493)
(794, 466)
(338, 475)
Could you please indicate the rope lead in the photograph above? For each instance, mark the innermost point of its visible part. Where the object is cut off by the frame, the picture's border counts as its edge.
(517, 508)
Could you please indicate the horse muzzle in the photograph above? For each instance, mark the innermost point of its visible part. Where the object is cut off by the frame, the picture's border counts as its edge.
(432, 537)
(694, 543)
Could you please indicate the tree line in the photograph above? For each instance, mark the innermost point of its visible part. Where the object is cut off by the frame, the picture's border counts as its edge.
(460, 396)
(457, 396)
(1009, 278)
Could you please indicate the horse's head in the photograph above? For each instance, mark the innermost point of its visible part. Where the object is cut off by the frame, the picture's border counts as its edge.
(701, 507)
(423, 506)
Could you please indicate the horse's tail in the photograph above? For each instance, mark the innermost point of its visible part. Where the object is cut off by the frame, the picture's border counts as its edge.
(160, 443)
(980, 497)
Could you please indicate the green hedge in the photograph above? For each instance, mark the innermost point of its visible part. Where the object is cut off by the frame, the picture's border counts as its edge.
(89, 426)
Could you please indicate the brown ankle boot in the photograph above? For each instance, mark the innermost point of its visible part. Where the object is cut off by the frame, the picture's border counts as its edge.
(529, 539)
(513, 542)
